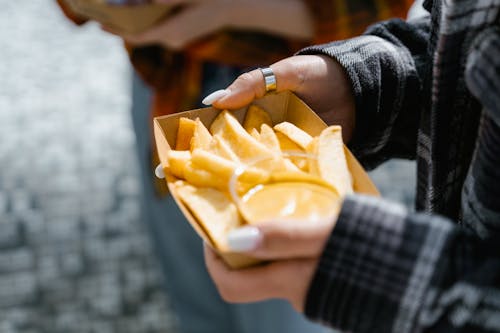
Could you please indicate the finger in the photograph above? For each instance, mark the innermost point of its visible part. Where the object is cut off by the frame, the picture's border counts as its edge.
(191, 24)
(259, 283)
(150, 36)
(247, 87)
(185, 27)
(237, 285)
(245, 281)
(112, 30)
(109, 30)
(216, 95)
(159, 171)
(160, 33)
(251, 85)
(290, 74)
(172, 2)
(282, 239)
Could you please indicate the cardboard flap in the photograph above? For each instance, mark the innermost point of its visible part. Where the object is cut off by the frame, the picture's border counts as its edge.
(361, 181)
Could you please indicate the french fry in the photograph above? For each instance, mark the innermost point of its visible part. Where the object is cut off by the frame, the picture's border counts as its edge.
(290, 147)
(269, 139)
(220, 147)
(295, 134)
(185, 132)
(203, 178)
(255, 133)
(331, 160)
(255, 117)
(246, 147)
(201, 136)
(290, 166)
(312, 152)
(225, 168)
(177, 161)
(286, 144)
(213, 210)
(219, 123)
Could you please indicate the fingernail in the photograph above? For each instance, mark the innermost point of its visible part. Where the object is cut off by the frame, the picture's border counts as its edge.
(159, 172)
(214, 96)
(244, 239)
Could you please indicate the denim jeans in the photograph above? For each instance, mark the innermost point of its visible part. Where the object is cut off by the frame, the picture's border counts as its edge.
(196, 303)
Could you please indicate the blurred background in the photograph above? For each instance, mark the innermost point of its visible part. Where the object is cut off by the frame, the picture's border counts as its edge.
(74, 256)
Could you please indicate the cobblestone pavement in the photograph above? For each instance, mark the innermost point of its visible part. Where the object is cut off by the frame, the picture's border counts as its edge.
(396, 181)
(73, 255)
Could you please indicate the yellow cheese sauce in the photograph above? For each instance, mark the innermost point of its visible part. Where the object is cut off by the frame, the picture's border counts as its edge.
(289, 201)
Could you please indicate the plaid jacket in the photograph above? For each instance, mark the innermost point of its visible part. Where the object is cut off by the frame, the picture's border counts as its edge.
(176, 76)
(428, 89)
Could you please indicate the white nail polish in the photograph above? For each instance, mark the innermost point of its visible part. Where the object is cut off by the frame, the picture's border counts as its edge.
(244, 239)
(218, 94)
(159, 172)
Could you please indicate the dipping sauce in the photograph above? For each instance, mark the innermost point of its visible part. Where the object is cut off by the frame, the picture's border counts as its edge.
(299, 201)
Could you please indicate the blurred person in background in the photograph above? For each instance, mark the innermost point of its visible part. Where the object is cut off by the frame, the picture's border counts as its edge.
(200, 48)
(425, 89)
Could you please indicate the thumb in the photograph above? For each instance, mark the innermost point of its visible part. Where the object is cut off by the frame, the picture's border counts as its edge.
(282, 239)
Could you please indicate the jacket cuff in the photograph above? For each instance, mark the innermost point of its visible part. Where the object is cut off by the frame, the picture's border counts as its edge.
(347, 54)
(371, 62)
(375, 268)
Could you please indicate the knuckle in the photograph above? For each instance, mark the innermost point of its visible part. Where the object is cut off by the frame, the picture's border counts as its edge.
(246, 78)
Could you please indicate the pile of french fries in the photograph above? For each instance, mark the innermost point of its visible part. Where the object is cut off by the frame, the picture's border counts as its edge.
(205, 161)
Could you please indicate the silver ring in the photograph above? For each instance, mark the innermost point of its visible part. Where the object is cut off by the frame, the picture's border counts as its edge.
(269, 78)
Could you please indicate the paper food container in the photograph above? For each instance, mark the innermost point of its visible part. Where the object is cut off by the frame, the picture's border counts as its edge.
(283, 106)
(123, 16)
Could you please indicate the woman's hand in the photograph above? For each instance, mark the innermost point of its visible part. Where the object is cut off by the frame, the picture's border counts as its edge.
(295, 249)
(199, 19)
(318, 80)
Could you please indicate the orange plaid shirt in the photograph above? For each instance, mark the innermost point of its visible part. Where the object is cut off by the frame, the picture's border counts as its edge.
(176, 77)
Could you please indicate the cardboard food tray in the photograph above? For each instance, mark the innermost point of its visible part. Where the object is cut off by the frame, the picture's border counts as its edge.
(131, 18)
(283, 106)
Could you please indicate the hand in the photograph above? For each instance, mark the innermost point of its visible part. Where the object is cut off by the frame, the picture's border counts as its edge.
(295, 249)
(318, 80)
(289, 18)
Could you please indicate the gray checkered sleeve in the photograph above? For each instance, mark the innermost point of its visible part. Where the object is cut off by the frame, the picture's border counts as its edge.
(481, 194)
(375, 268)
(385, 270)
(388, 68)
